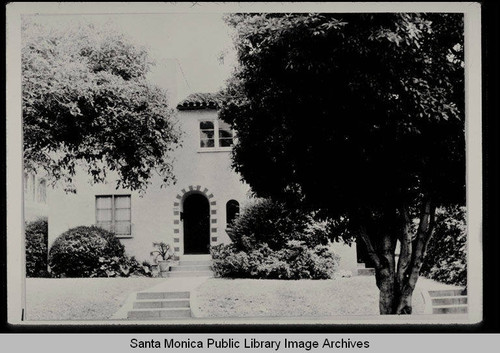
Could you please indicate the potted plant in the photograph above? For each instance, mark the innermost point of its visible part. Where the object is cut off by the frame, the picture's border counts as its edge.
(162, 254)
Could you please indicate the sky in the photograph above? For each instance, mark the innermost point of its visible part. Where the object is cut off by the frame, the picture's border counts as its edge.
(185, 47)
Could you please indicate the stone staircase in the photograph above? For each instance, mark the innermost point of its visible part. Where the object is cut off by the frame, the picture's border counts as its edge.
(192, 266)
(160, 305)
(165, 302)
(448, 301)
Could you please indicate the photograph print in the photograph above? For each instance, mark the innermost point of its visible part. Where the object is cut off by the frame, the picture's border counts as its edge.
(284, 166)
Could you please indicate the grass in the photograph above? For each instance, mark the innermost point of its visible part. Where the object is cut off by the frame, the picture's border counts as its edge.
(274, 298)
(80, 298)
(99, 298)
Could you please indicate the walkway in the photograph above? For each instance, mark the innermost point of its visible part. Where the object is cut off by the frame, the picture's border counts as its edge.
(169, 285)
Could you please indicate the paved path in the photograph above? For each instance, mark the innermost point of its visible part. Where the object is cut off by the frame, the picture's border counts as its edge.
(424, 285)
(184, 284)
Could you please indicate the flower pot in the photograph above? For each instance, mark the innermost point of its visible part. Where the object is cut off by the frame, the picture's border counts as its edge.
(164, 266)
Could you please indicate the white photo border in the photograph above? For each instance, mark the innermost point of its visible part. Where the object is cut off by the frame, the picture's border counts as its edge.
(473, 111)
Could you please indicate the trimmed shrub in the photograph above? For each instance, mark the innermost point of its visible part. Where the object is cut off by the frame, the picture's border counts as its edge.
(296, 261)
(446, 257)
(36, 233)
(87, 252)
(273, 223)
(275, 242)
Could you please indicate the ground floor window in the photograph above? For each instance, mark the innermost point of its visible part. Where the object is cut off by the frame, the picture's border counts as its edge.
(232, 211)
(113, 213)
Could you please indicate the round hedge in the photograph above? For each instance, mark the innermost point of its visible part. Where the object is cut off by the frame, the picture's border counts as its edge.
(273, 223)
(81, 251)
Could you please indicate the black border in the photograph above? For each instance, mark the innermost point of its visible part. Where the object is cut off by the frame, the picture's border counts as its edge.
(491, 245)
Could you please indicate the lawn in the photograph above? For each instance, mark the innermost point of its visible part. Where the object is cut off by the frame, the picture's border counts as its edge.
(99, 298)
(274, 298)
(80, 298)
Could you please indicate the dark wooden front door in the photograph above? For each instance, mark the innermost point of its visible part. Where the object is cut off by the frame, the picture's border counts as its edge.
(196, 219)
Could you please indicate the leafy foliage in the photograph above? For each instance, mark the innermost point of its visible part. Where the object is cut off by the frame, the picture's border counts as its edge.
(86, 101)
(376, 98)
(271, 240)
(87, 252)
(274, 223)
(359, 116)
(120, 267)
(295, 261)
(446, 258)
(163, 251)
(36, 248)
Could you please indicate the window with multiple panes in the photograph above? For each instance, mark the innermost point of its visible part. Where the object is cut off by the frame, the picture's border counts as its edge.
(215, 133)
(113, 213)
(207, 134)
(225, 134)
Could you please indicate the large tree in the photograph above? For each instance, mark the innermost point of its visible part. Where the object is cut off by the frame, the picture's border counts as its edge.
(359, 116)
(87, 103)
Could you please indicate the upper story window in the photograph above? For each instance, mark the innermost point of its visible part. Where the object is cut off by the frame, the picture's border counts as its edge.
(215, 134)
(113, 213)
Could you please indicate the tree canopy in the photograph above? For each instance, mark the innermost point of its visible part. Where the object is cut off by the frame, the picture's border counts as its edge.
(86, 102)
(358, 115)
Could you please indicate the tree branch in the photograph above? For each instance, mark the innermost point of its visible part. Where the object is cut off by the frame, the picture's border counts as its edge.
(424, 233)
(405, 256)
(369, 246)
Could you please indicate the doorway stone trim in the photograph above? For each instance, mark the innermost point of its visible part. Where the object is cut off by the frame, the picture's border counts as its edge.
(179, 198)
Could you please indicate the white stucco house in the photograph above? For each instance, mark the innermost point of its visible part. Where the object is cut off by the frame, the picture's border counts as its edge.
(35, 196)
(191, 215)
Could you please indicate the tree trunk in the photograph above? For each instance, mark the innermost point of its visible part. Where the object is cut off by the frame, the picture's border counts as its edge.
(396, 285)
(390, 301)
(385, 284)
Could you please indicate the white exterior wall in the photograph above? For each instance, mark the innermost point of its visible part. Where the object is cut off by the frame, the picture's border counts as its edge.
(154, 215)
(348, 257)
(35, 206)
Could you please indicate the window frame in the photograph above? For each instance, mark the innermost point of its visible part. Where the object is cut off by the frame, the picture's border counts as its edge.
(217, 147)
(229, 204)
(113, 213)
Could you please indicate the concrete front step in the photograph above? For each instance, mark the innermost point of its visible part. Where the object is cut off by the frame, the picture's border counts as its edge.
(159, 313)
(446, 292)
(449, 300)
(190, 268)
(200, 257)
(162, 295)
(450, 309)
(189, 274)
(163, 303)
(194, 263)
(366, 271)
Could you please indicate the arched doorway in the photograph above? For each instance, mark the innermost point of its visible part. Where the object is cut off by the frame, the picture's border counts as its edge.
(196, 219)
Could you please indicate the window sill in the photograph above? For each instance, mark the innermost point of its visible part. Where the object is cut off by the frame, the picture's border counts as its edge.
(124, 236)
(214, 149)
